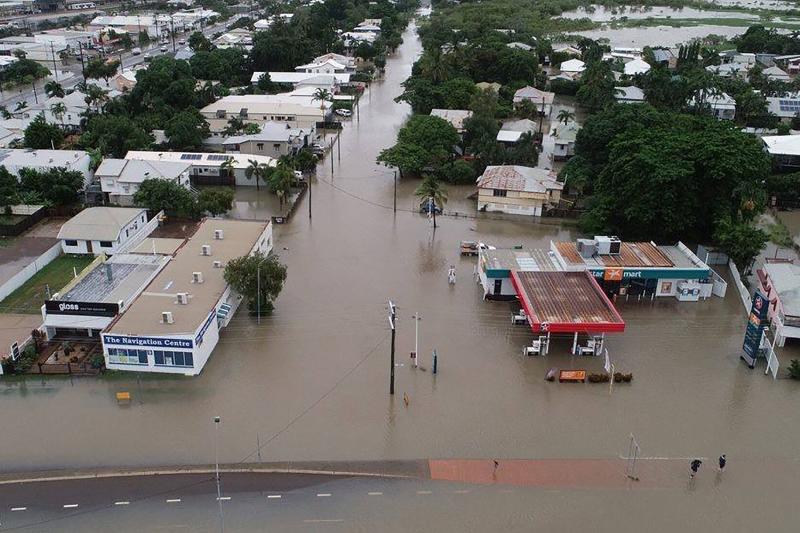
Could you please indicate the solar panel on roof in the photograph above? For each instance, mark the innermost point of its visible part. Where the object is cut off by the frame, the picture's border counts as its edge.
(191, 157)
(218, 157)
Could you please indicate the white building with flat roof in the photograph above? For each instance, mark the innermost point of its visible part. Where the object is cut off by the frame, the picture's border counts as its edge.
(297, 111)
(101, 230)
(43, 160)
(174, 324)
(207, 167)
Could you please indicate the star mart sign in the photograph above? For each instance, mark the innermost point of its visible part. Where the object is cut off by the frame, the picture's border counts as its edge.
(619, 274)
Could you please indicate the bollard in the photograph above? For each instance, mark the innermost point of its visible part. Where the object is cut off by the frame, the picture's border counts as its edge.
(435, 362)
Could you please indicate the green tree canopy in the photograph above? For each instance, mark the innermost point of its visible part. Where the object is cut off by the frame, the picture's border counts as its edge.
(42, 135)
(115, 135)
(56, 186)
(215, 200)
(156, 195)
(99, 68)
(186, 130)
(258, 278)
(423, 141)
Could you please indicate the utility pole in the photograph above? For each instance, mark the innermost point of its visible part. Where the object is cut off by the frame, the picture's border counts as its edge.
(35, 97)
(433, 210)
(417, 318)
(172, 27)
(216, 462)
(83, 68)
(309, 197)
(258, 290)
(395, 191)
(435, 362)
(55, 67)
(392, 318)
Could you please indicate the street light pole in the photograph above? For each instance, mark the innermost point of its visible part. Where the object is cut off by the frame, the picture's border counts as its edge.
(216, 462)
(392, 317)
(395, 191)
(258, 292)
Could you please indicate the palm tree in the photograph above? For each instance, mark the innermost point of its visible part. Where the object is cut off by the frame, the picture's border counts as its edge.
(565, 116)
(58, 109)
(281, 180)
(227, 167)
(431, 191)
(323, 95)
(22, 104)
(53, 88)
(255, 170)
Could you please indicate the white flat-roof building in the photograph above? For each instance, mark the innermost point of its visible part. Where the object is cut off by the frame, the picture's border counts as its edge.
(780, 283)
(347, 62)
(636, 66)
(784, 150)
(75, 107)
(43, 160)
(173, 326)
(101, 230)
(629, 95)
(100, 292)
(121, 178)
(297, 78)
(298, 111)
(207, 167)
(572, 68)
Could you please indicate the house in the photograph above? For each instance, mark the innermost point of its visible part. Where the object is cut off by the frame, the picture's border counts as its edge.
(262, 24)
(41, 52)
(721, 105)
(509, 136)
(240, 38)
(785, 151)
(780, 283)
(776, 74)
(352, 39)
(456, 117)
(543, 100)
(572, 68)
(125, 80)
(44, 160)
(154, 25)
(784, 107)
(665, 57)
(74, 108)
(210, 168)
(488, 86)
(636, 66)
(101, 230)
(326, 66)
(735, 57)
(791, 63)
(331, 81)
(297, 111)
(9, 138)
(349, 62)
(517, 190)
(564, 141)
(121, 178)
(629, 95)
(274, 140)
(730, 70)
(522, 125)
(566, 49)
(520, 46)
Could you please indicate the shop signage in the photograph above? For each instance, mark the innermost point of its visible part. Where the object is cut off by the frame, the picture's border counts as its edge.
(649, 273)
(148, 342)
(199, 339)
(756, 324)
(63, 307)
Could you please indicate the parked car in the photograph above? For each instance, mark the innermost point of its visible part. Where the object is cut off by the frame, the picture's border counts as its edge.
(136, 51)
(182, 42)
(164, 49)
(425, 207)
(344, 112)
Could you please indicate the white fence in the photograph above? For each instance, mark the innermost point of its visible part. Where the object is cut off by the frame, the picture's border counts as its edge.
(27, 273)
(747, 300)
(141, 235)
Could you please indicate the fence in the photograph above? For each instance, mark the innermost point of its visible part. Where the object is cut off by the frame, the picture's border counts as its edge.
(141, 235)
(744, 293)
(28, 216)
(27, 273)
(80, 369)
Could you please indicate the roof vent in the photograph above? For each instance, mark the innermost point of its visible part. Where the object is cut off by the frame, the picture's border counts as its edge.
(183, 298)
(205, 249)
(197, 277)
(217, 264)
(219, 234)
(167, 318)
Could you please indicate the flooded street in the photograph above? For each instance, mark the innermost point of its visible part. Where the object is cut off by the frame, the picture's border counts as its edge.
(311, 382)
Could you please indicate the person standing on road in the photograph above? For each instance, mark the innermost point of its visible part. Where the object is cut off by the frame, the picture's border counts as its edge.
(722, 462)
(694, 466)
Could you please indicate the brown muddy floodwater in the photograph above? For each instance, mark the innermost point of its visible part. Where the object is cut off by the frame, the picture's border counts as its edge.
(311, 383)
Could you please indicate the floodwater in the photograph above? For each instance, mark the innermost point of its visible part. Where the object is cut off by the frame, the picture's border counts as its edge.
(667, 36)
(604, 14)
(311, 381)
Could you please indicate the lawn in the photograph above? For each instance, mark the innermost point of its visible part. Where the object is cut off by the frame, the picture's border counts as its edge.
(30, 297)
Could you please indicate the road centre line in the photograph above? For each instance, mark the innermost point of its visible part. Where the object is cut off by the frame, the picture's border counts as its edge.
(375, 494)
(223, 498)
(323, 494)
(424, 492)
(174, 500)
(122, 503)
(322, 520)
(70, 505)
(273, 496)
(19, 508)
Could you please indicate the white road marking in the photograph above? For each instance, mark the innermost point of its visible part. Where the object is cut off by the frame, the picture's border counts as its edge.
(70, 505)
(658, 458)
(424, 492)
(274, 496)
(223, 498)
(323, 494)
(462, 491)
(174, 500)
(122, 503)
(19, 508)
(320, 520)
(375, 493)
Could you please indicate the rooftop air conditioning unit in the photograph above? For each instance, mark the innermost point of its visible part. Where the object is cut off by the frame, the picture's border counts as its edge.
(205, 249)
(167, 318)
(183, 298)
(217, 264)
(219, 234)
(615, 246)
(197, 277)
(586, 247)
(603, 244)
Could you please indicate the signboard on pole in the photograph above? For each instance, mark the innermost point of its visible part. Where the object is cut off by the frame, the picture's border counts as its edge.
(756, 323)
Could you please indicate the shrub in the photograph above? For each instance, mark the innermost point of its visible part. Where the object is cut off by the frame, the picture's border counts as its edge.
(97, 360)
(794, 369)
(460, 173)
(564, 87)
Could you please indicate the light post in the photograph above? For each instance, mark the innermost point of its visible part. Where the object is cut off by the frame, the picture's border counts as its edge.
(417, 318)
(216, 469)
(258, 290)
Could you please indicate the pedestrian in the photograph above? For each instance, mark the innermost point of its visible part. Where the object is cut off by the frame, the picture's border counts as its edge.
(451, 275)
(694, 466)
(722, 462)
(496, 464)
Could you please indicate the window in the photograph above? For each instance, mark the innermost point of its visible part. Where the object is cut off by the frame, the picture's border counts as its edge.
(106, 244)
(260, 147)
(71, 242)
(123, 356)
(126, 233)
(170, 358)
(276, 146)
(499, 192)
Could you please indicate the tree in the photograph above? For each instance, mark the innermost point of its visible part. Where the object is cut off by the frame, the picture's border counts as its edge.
(227, 168)
(431, 192)
(199, 43)
(41, 135)
(144, 38)
(53, 88)
(565, 115)
(58, 110)
(597, 86)
(217, 200)
(280, 180)
(164, 195)
(56, 186)
(265, 83)
(424, 141)
(98, 68)
(740, 241)
(95, 97)
(186, 130)
(258, 278)
(323, 95)
(9, 188)
(257, 171)
(115, 135)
